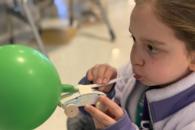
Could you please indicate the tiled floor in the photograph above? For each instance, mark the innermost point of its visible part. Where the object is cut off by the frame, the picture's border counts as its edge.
(91, 46)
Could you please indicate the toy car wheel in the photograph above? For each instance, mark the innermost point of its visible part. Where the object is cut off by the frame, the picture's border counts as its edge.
(71, 110)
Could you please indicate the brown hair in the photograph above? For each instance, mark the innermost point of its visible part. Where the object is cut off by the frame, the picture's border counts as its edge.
(178, 15)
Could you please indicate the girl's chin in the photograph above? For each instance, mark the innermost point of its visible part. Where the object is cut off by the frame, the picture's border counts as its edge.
(144, 82)
(154, 85)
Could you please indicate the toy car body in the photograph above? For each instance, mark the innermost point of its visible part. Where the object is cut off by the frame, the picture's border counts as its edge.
(85, 95)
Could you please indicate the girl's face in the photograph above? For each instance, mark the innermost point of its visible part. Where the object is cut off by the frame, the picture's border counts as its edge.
(157, 56)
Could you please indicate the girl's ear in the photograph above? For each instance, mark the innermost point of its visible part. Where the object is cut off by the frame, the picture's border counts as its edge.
(192, 62)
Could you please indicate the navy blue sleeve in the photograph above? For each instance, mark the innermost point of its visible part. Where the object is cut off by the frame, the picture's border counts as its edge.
(84, 81)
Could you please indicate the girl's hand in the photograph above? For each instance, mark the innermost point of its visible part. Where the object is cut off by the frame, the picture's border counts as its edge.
(104, 119)
(102, 74)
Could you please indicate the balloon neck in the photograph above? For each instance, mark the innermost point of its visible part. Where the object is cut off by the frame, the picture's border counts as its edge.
(68, 88)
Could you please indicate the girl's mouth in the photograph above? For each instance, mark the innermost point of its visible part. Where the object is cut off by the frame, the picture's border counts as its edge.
(138, 77)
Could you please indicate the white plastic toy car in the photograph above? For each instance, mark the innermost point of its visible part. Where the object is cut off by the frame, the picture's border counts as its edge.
(85, 95)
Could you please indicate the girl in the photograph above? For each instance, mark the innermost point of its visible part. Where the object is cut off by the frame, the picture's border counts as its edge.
(159, 92)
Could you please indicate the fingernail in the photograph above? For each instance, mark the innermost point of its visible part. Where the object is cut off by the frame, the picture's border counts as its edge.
(105, 80)
(99, 81)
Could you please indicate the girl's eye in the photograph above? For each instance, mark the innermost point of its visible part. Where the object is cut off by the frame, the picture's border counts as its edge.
(152, 49)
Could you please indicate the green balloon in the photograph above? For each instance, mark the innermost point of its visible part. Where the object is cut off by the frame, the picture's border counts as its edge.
(30, 88)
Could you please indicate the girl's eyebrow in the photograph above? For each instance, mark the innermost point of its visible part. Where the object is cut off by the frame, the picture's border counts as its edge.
(154, 42)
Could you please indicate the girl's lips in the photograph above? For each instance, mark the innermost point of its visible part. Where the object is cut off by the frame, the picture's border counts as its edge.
(137, 76)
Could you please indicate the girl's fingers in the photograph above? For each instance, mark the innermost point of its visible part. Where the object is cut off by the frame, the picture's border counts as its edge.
(90, 75)
(96, 73)
(112, 107)
(101, 73)
(109, 73)
(98, 115)
(105, 88)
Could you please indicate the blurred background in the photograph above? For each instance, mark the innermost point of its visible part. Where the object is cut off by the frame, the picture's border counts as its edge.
(74, 34)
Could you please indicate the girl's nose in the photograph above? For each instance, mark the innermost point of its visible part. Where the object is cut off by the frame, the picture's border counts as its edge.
(137, 57)
(138, 61)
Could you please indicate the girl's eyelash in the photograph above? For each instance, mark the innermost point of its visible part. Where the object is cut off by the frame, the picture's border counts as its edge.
(152, 49)
(132, 37)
